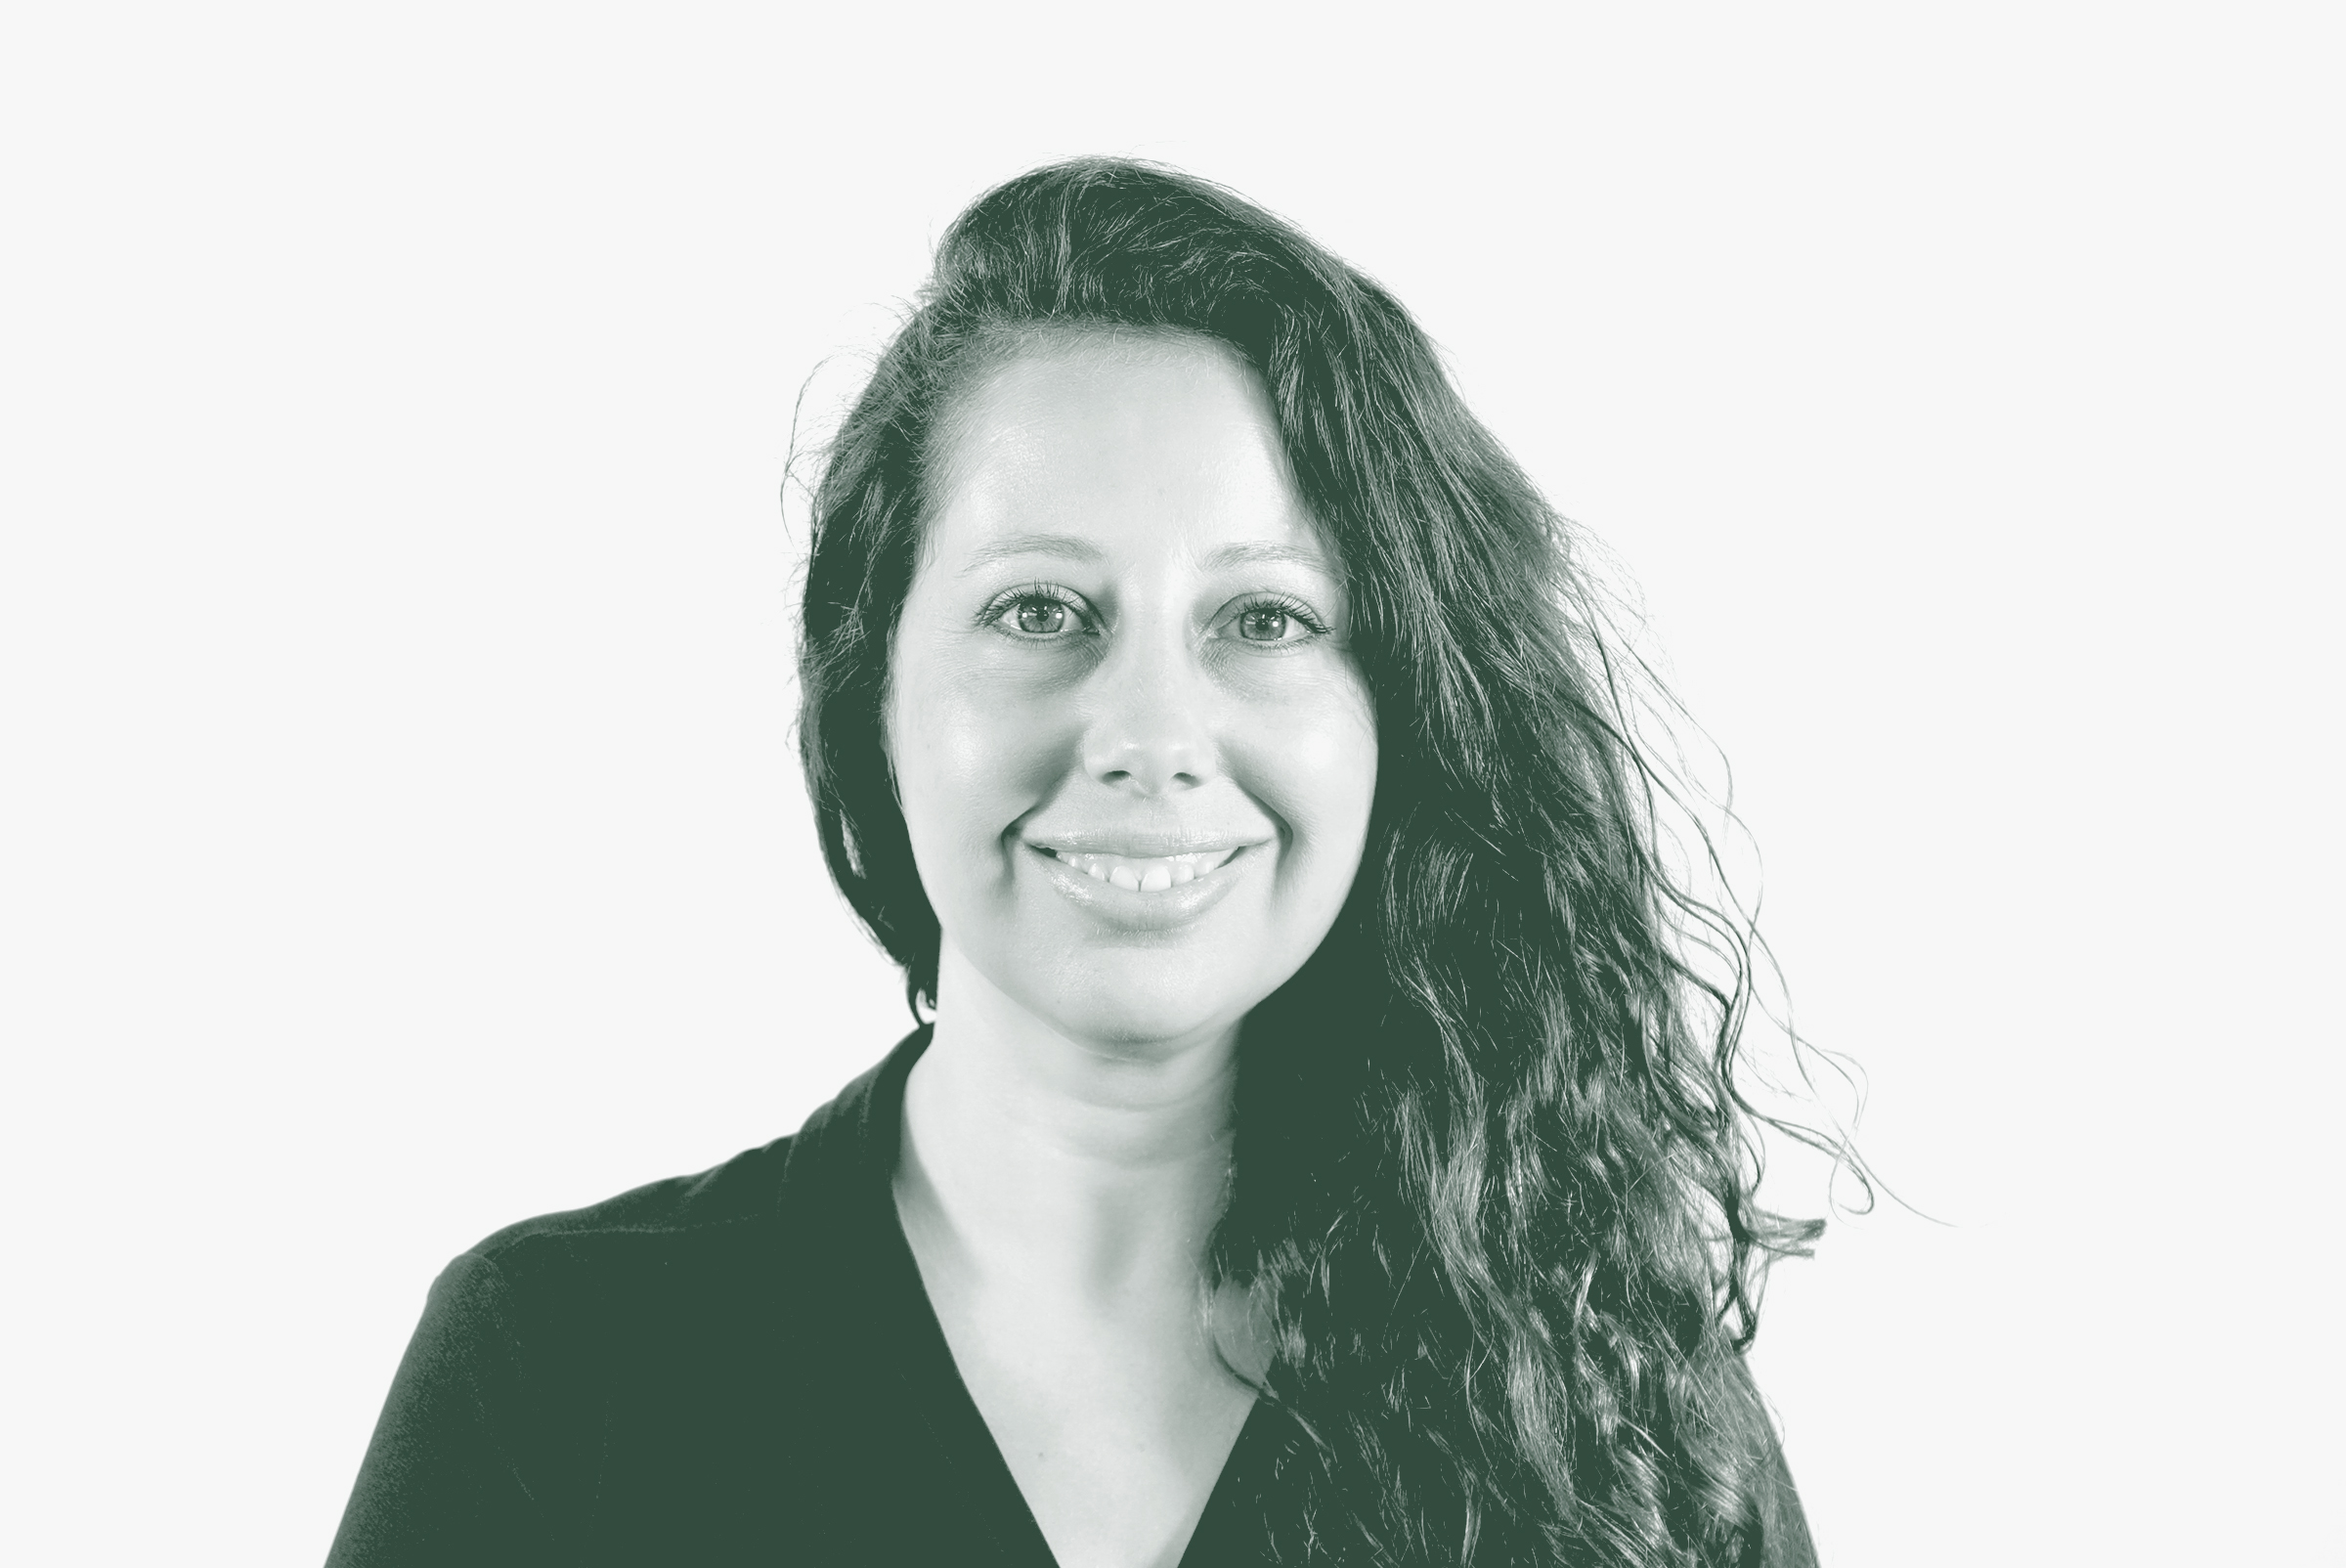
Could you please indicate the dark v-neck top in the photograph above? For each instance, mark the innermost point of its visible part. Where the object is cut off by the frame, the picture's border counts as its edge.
(740, 1366)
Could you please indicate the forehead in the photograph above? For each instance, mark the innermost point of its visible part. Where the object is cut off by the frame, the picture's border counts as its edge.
(1154, 437)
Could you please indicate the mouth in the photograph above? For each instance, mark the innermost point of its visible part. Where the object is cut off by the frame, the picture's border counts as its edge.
(1136, 873)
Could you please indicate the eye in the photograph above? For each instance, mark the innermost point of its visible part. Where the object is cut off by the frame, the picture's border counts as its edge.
(1266, 623)
(1272, 620)
(1041, 617)
(1040, 613)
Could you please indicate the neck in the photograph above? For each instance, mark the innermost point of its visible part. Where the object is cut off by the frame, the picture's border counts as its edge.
(1064, 1164)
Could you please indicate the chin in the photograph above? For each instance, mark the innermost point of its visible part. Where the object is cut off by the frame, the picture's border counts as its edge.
(1116, 1013)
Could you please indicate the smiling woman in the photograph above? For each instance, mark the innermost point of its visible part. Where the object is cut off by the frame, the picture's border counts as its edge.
(1168, 723)
(1325, 1144)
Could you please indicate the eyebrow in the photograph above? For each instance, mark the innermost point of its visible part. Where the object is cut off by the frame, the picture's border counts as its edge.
(1075, 547)
(1267, 555)
(1067, 547)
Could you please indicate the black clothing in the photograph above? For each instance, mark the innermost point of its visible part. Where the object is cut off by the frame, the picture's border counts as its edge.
(740, 1366)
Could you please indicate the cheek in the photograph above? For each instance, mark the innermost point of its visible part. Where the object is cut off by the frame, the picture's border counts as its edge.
(1316, 763)
(968, 763)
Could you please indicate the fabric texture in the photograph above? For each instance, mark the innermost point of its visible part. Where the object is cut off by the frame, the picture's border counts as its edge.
(734, 1368)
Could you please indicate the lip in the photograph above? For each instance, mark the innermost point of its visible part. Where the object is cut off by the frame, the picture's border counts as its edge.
(1139, 845)
(1161, 910)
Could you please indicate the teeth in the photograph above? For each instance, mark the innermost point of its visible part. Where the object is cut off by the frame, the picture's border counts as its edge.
(1145, 874)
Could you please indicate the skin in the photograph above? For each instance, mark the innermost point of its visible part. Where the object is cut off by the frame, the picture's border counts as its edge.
(1124, 631)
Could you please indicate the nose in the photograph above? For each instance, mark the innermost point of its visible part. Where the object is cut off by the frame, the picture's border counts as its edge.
(1149, 731)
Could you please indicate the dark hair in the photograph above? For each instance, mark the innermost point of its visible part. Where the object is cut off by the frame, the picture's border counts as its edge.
(1495, 1185)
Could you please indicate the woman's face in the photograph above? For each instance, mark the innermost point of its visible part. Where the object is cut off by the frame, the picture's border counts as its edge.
(1134, 754)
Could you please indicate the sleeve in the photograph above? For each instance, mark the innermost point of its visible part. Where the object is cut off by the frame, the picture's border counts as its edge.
(442, 1483)
(1783, 1525)
(1780, 1539)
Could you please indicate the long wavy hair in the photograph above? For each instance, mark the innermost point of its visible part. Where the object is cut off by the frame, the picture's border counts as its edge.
(1495, 1175)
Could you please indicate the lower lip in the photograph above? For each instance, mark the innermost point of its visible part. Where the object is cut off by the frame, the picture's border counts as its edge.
(1161, 910)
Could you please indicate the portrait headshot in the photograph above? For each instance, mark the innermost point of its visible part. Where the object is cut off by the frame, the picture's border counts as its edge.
(1078, 790)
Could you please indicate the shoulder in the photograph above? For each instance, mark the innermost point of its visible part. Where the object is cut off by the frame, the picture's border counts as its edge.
(1778, 1526)
(647, 1249)
(690, 1253)
(743, 1190)
(749, 1213)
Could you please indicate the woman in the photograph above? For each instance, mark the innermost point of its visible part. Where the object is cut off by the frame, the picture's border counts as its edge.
(1324, 1149)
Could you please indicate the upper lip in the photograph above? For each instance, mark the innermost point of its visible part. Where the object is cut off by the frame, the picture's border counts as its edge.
(1140, 845)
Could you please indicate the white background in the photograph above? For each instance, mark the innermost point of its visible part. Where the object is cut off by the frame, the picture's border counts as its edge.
(402, 833)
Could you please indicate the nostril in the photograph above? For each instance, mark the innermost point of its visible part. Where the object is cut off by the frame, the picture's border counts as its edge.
(1151, 752)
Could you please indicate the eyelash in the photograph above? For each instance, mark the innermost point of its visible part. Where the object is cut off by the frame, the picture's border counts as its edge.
(1050, 593)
